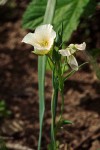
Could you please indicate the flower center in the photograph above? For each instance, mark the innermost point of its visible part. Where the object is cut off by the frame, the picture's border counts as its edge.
(44, 43)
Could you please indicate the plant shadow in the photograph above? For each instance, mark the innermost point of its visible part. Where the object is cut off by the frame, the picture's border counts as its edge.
(90, 103)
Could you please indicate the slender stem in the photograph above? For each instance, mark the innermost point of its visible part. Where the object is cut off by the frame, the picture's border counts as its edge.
(49, 64)
(53, 109)
(51, 59)
(61, 88)
(53, 143)
(73, 71)
(62, 105)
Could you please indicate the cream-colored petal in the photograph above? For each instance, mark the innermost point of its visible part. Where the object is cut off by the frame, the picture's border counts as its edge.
(53, 34)
(45, 32)
(64, 52)
(71, 45)
(28, 38)
(44, 28)
(80, 46)
(72, 62)
(51, 41)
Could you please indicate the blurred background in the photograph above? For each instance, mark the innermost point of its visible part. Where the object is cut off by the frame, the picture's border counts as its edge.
(19, 121)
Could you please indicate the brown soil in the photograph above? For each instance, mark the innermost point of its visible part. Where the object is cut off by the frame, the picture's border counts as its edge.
(19, 88)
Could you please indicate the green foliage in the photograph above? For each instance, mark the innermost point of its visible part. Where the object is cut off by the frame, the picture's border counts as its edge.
(67, 11)
(66, 122)
(3, 109)
(2, 145)
(90, 8)
(34, 14)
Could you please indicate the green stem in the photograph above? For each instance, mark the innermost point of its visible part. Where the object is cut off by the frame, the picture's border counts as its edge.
(62, 105)
(61, 88)
(53, 138)
(51, 59)
(53, 110)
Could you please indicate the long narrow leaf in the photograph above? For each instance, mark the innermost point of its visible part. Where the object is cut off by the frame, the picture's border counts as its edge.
(42, 67)
(41, 80)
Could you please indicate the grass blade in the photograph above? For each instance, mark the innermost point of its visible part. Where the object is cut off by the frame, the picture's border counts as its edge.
(42, 67)
(41, 80)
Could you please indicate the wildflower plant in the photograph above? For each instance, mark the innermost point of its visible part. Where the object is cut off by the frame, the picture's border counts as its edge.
(62, 63)
(48, 42)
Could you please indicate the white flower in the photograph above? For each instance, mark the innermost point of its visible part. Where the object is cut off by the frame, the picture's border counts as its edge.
(69, 51)
(42, 39)
(80, 46)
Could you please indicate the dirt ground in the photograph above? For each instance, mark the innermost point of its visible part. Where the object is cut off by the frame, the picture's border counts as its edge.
(19, 88)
